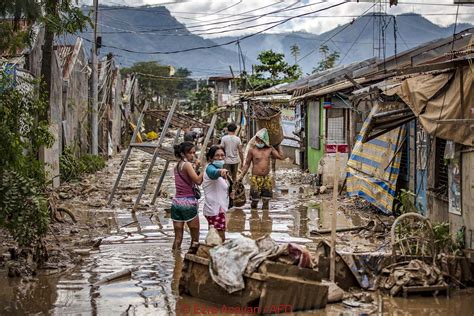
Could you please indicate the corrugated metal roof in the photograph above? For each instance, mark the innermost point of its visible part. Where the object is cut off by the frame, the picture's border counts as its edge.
(68, 56)
(272, 98)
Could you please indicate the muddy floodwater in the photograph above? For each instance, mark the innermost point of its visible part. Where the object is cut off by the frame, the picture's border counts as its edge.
(143, 241)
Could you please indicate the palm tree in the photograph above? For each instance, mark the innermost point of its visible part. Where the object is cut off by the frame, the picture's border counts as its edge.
(295, 51)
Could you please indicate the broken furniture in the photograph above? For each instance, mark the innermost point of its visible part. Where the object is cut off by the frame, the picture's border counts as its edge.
(171, 118)
(274, 284)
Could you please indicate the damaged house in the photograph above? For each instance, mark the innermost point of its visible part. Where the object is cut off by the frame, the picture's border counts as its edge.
(417, 133)
(403, 125)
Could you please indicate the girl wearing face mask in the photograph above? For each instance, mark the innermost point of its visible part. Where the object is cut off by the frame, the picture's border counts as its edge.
(216, 190)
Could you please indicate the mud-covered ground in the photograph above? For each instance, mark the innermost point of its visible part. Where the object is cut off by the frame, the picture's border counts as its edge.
(108, 239)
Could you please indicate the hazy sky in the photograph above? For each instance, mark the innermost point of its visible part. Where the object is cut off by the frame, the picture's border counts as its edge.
(195, 12)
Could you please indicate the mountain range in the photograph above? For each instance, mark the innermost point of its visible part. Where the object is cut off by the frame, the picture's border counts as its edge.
(126, 31)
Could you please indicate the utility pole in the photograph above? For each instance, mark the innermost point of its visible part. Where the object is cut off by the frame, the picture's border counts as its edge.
(95, 87)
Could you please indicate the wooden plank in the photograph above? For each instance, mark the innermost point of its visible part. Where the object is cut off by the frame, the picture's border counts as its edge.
(332, 267)
(165, 168)
(179, 120)
(202, 154)
(163, 153)
(127, 155)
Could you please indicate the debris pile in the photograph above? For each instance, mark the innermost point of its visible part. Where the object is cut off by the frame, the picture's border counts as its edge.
(233, 258)
(409, 274)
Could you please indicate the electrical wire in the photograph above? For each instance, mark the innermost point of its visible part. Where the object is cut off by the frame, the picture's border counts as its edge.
(223, 44)
(335, 34)
(222, 22)
(226, 8)
(204, 31)
(355, 41)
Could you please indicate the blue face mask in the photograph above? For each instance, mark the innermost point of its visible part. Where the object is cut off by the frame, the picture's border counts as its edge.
(260, 145)
(218, 163)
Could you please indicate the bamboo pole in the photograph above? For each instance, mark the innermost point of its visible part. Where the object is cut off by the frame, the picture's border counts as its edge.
(202, 154)
(332, 267)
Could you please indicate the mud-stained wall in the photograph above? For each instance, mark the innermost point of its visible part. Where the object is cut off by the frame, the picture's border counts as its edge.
(467, 199)
(327, 168)
(51, 155)
(35, 55)
(75, 114)
(116, 134)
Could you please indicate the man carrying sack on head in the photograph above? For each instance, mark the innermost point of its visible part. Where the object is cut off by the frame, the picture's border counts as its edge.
(260, 157)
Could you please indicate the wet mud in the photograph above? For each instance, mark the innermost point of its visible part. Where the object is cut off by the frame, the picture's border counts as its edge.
(143, 240)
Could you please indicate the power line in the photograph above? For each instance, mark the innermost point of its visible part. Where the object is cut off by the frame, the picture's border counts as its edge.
(335, 34)
(223, 44)
(245, 20)
(220, 22)
(226, 8)
(355, 41)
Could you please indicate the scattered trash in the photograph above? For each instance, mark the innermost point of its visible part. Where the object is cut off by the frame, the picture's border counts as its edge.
(115, 276)
(335, 293)
(414, 273)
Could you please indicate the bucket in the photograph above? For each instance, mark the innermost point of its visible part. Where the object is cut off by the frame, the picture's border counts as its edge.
(270, 119)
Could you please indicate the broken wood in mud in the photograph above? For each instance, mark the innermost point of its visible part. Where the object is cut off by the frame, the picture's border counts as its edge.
(434, 289)
(338, 230)
(131, 223)
(115, 276)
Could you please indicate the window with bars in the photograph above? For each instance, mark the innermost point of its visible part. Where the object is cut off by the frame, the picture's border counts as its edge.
(335, 131)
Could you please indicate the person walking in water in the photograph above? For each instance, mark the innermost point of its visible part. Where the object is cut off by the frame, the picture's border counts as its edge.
(184, 208)
(216, 190)
(233, 148)
(261, 183)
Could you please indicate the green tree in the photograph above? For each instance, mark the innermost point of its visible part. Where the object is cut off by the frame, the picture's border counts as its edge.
(23, 207)
(329, 60)
(155, 79)
(272, 70)
(201, 100)
(295, 52)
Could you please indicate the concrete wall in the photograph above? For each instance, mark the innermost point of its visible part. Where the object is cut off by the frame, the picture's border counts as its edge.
(75, 114)
(327, 168)
(50, 156)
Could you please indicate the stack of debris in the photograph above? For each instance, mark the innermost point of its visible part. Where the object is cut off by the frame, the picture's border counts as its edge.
(413, 275)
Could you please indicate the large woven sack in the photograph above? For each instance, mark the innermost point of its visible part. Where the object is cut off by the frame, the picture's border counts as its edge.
(239, 194)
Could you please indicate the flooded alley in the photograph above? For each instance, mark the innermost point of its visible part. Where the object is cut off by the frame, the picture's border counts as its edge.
(142, 242)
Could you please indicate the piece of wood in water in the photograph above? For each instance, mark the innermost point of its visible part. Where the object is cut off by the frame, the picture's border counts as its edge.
(115, 275)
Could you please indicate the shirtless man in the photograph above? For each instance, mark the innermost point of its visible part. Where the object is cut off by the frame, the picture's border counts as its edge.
(260, 181)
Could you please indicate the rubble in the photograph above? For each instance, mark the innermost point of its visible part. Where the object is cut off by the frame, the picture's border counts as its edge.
(414, 273)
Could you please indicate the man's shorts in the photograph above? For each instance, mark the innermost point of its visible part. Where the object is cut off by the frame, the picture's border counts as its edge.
(261, 188)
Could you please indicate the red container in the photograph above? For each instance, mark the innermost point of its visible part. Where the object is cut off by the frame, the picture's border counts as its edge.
(333, 148)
